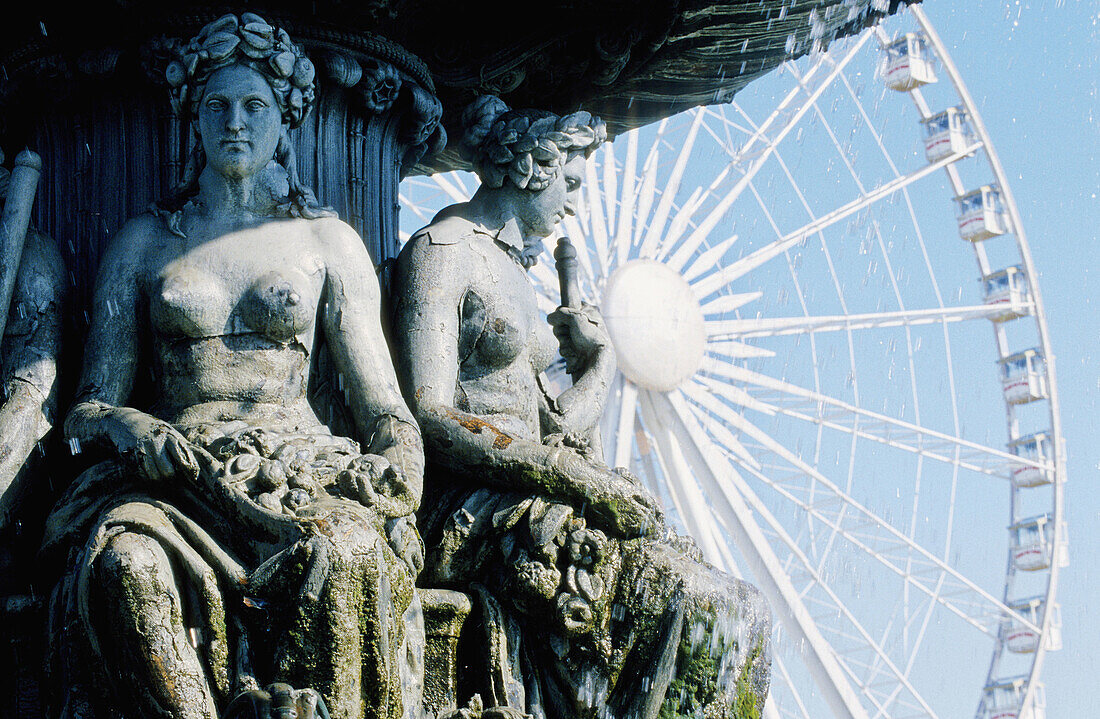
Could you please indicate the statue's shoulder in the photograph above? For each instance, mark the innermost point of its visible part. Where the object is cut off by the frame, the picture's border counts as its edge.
(143, 228)
(449, 227)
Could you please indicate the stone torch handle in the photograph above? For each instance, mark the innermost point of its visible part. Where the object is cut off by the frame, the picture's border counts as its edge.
(565, 259)
(14, 223)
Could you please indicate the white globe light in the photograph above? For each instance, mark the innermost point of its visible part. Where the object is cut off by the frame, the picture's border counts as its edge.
(656, 324)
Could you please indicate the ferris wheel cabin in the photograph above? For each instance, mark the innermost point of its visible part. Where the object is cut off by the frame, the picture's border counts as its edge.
(1007, 289)
(1021, 638)
(946, 133)
(1002, 700)
(981, 214)
(908, 63)
(1024, 376)
(1032, 540)
(1037, 448)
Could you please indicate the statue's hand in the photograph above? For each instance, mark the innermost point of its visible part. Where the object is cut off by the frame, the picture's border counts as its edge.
(620, 505)
(581, 333)
(629, 507)
(373, 481)
(152, 447)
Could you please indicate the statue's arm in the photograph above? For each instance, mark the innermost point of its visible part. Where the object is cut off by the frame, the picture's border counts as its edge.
(428, 286)
(112, 346)
(99, 419)
(30, 407)
(351, 317)
(590, 359)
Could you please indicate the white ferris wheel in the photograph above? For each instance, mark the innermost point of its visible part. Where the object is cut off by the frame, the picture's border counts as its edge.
(802, 286)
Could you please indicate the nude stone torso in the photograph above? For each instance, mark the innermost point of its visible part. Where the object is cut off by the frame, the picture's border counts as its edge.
(234, 319)
(503, 344)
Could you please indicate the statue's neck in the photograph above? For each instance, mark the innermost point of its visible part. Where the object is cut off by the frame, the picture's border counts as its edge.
(233, 198)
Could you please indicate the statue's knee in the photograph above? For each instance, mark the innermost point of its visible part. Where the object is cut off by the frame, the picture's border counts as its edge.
(134, 562)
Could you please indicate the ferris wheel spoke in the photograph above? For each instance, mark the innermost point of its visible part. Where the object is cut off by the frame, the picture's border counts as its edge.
(610, 187)
(624, 426)
(679, 479)
(708, 393)
(732, 350)
(810, 406)
(779, 664)
(646, 195)
(723, 436)
(767, 570)
(786, 118)
(891, 549)
(723, 304)
(780, 326)
(655, 231)
(594, 213)
(625, 233)
(707, 259)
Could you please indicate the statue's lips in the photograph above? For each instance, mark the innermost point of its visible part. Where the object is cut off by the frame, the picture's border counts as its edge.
(236, 144)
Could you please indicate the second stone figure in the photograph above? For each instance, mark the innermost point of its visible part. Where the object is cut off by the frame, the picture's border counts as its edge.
(586, 603)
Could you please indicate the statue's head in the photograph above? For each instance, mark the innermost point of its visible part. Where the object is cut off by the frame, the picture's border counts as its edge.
(248, 41)
(533, 151)
(242, 85)
(525, 147)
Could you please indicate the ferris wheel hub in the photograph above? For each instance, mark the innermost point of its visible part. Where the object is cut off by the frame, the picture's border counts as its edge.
(656, 324)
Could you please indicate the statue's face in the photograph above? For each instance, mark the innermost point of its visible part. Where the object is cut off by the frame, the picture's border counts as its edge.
(546, 208)
(239, 121)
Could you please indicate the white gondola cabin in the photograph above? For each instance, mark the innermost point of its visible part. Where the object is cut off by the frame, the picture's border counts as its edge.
(1009, 291)
(946, 133)
(1021, 637)
(908, 63)
(981, 214)
(1024, 376)
(1036, 448)
(1032, 540)
(1003, 699)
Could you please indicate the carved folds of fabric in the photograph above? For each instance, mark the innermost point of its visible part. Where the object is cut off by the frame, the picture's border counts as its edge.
(262, 541)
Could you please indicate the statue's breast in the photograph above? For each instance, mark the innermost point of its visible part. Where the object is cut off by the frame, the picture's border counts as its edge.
(488, 338)
(187, 302)
(279, 305)
(190, 302)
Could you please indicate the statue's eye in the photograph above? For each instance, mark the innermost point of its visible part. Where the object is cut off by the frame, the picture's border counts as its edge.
(256, 105)
(215, 105)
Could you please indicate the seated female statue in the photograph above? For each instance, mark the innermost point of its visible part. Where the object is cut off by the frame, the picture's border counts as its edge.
(231, 541)
(592, 606)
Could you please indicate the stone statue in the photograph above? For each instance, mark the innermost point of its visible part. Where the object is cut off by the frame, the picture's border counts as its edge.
(230, 557)
(586, 603)
(31, 292)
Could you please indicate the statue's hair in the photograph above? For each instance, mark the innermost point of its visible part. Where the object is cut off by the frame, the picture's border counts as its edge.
(527, 147)
(250, 41)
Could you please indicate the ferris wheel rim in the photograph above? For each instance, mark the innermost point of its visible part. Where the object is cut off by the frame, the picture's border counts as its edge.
(1057, 438)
